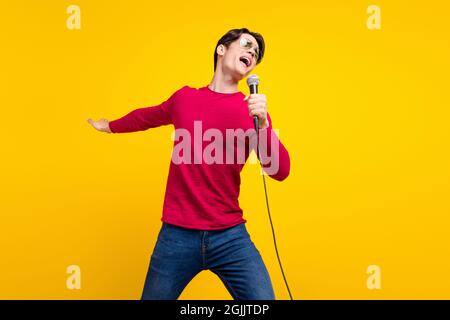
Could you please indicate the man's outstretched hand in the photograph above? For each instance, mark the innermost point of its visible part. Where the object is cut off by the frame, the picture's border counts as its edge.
(100, 125)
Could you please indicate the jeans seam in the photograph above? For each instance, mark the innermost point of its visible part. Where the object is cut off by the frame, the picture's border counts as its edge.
(203, 247)
(233, 293)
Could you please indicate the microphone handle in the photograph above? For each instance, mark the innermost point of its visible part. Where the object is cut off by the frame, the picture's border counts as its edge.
(254, 90)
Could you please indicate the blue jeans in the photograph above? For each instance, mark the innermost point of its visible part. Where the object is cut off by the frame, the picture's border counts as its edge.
(181, 253)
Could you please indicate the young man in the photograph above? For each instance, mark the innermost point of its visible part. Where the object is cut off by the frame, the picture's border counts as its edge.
(202, 224)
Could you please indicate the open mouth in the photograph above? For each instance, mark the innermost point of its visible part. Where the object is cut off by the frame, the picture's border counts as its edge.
(246, 61)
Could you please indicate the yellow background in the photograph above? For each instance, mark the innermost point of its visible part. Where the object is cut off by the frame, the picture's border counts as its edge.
(364, 114)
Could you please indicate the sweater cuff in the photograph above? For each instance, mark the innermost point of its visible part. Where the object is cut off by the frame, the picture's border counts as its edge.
(111, 126)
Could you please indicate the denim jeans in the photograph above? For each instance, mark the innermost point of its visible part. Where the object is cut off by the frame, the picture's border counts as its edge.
(182, 253)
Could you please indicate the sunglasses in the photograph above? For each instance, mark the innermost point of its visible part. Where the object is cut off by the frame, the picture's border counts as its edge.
(247, 44)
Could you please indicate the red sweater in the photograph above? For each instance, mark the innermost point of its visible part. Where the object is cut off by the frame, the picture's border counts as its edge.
(200, 194)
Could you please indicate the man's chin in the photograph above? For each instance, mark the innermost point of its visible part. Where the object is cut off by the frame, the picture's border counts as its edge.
(239, 74)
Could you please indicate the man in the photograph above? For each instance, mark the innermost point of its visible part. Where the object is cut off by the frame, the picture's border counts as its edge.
(202, 225)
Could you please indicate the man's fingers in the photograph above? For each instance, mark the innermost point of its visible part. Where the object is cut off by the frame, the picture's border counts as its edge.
(251, 96)
(255, 97)
(92, 123)
(257, 112)
(256, 106)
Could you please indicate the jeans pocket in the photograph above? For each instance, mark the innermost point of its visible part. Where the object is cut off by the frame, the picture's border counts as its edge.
(171, 235)
(240, 228)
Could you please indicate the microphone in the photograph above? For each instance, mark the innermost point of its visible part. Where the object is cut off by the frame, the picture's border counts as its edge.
(253, 82)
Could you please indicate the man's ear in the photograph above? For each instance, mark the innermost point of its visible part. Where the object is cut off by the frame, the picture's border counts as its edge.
(220, 50)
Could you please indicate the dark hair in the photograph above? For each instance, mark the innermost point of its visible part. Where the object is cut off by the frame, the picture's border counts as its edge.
(234, 34)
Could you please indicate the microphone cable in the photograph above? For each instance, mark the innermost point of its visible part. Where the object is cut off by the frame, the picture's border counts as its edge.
(256, 123)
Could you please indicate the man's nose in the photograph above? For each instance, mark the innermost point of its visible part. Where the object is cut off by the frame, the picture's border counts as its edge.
(252, 52)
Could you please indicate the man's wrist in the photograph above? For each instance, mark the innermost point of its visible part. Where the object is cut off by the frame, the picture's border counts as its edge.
(108, 128)
(265, 124)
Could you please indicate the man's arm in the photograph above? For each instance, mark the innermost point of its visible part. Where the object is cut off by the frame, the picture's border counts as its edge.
(274, 156)
(138, 119)
(141, 119)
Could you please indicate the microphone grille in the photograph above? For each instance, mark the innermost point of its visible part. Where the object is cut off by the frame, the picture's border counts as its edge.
(253, 80)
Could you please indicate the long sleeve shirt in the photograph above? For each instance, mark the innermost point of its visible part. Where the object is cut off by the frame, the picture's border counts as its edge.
(208, 155)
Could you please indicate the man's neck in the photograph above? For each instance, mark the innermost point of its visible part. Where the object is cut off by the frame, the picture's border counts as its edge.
(223, 83)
